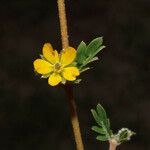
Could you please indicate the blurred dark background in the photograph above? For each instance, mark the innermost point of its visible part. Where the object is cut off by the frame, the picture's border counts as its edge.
(35, 116)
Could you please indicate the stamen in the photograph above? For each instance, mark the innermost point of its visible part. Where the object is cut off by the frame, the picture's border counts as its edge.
(57, 68)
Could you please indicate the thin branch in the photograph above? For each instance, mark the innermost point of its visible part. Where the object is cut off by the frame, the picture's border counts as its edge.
(68, 87)
(74, 117)
(63, 23)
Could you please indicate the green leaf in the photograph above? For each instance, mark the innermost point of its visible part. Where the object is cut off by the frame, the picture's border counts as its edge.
(86, 54)
(101, 119)
(102, 138)
(84, 69)
(81, 53)
(94, 46)
(101, 112)
(107, 131)
(98, 50)
(98, 130)
(92, 59)
(77, 81)
(96, 117)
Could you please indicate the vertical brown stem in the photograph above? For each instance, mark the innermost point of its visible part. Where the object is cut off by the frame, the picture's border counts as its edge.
(68, 87)
(113, 144)
(74, 117)
(63, 23)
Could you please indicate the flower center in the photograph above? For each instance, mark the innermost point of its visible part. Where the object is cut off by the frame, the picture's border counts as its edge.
(57, 68)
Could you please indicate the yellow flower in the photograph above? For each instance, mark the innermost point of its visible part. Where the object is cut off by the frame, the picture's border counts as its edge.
(57, 66)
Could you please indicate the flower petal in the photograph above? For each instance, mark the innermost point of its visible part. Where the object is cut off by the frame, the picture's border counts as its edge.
(70, 73)
(42, 66)
(67, 56)
(50, 54)
(54, 79)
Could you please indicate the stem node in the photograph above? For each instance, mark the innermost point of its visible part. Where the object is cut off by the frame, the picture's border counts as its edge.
(113, 144)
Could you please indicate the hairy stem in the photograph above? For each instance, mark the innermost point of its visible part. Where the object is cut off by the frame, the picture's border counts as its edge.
(113, 144)
(63, 23)
(68, 87)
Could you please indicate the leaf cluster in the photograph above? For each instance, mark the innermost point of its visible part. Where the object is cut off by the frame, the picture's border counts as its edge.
(103, 127)
(103, 124)
(87, 53)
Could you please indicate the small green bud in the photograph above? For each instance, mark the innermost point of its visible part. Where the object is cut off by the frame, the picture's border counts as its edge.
(123, 135)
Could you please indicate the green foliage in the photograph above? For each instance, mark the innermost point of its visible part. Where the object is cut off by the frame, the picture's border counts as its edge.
(81, 53)
(87, 53)
(98, 130)
(103, 127)
(102, 138)
(77, 81)
(103, 124)
(94, 46)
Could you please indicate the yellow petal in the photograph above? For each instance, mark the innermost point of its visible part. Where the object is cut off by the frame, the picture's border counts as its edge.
(70, 73)
(54, 79)
(50, 54)
(67, 56)
(42, 66)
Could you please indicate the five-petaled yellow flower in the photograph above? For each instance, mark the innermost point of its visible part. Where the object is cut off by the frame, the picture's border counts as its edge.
(58, 67)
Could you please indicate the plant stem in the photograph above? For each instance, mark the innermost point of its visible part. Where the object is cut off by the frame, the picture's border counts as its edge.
(74, 117)
(68, 87)
(63, 23)
(113, 144)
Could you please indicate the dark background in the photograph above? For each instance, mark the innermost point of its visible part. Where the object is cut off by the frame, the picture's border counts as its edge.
(35, 116)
